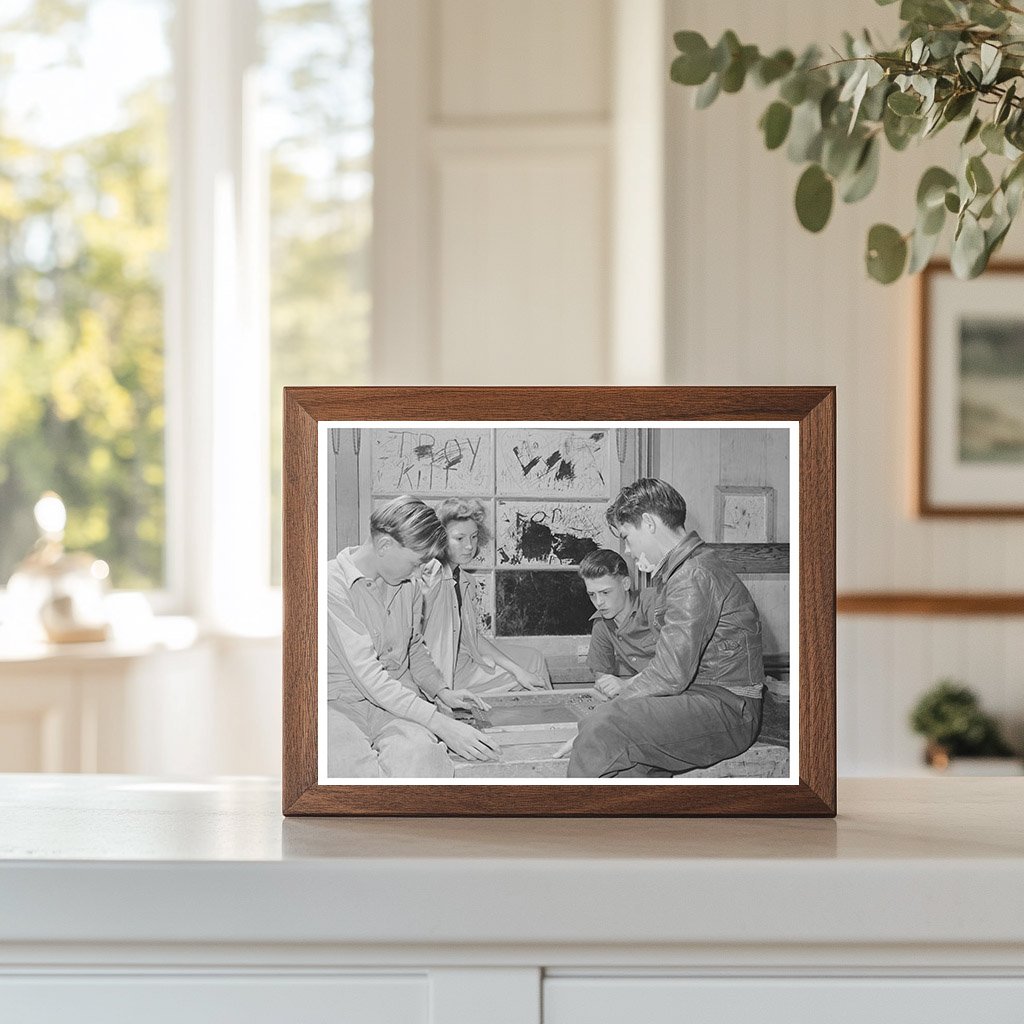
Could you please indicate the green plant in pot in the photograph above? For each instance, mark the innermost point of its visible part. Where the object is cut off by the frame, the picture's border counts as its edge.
(956, 62)
(950, 717)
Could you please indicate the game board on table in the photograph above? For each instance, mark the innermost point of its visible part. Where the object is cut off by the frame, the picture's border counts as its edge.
(530, 728)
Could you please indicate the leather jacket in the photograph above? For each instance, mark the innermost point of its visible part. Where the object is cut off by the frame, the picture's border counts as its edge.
(710, 629)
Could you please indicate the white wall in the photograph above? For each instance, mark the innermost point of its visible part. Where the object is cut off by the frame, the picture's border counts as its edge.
(505, 159)
(754, 299)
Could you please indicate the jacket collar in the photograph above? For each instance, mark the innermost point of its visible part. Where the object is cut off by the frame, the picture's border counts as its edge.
(679, 554)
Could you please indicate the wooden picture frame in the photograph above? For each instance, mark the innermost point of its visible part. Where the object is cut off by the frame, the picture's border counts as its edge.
(969, 448)
(807, 413)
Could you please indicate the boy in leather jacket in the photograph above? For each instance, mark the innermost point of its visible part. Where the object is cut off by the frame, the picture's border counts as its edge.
(699, 700)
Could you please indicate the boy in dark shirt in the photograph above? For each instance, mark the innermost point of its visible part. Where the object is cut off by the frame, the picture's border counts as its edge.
(623, 637)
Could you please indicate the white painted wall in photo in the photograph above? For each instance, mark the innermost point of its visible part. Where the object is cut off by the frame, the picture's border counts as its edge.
(754, 299)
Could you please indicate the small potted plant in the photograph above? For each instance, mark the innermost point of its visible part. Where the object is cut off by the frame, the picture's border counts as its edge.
(950, 717)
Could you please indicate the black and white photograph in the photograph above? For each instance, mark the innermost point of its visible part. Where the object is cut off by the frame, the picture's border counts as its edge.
(557, 603)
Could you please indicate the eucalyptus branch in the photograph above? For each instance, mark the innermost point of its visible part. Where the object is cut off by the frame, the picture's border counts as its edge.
(833, 117)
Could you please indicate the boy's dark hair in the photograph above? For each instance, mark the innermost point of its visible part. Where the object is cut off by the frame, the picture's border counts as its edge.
(603, 562)
(647, 495)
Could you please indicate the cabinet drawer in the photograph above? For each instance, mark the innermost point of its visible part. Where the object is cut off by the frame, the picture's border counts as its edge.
(224, 999)
(671, 1000)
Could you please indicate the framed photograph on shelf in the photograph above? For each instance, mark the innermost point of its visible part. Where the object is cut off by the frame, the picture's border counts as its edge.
(970, 444)
(559, 601)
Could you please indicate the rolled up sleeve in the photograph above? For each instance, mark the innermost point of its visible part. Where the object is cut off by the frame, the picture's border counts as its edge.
(691, 614)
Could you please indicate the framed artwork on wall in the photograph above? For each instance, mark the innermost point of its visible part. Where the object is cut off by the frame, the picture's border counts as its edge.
(744, 515)
(970, 444)
(533, 601)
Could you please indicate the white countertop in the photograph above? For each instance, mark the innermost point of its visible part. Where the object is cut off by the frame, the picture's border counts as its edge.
(123, 859)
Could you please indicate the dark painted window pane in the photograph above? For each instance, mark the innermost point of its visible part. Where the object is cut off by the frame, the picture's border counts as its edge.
(542, 603)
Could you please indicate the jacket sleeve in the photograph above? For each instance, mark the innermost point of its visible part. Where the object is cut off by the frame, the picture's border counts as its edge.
(349, 642)
(424, 672)
(692, 609)
(601, 655)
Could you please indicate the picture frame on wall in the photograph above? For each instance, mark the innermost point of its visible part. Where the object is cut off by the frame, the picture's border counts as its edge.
(970, 384)
(517, 601)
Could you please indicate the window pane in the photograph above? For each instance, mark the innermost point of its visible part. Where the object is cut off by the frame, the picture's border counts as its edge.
(84, 97)
(318, 131)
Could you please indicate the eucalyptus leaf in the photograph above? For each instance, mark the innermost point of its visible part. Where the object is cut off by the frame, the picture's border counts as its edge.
(987, 15)
(794, 88)
(873, 106)
(735, 74)
(968, 247)
(993, 138)
(978, 176)
(994, 236)
(922, 248)
(828, 104)
(708, 92)
(1013, 187)
(805, 133)
(943, 44)
(724, 51)
(1004, 106)
(991, 60)
(934, 121)
(958, 105)
(903, 103)
(771, 69)
(931, 190)
(775, 123)
(925, 88)
(932, 221)
(973, 129)
(840, 152)
(900, 130)
(886, 253)
(689, 69)
(952, 202)
(865, 174)
(1013, 191)
(814, 195)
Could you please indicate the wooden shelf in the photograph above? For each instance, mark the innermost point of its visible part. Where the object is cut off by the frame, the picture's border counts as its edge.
(928, 603)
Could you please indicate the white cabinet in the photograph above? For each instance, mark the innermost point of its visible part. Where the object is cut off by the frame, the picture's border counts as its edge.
(824, 1000)
(130, 898)
(202, 999)
(98, 707)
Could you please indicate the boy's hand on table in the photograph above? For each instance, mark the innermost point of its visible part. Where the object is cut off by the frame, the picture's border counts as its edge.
(529, 681)
(608, 685)
(465, 741)
(465, 699)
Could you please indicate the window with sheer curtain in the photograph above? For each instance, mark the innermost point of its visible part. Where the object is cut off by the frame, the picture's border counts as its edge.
(103, 153)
